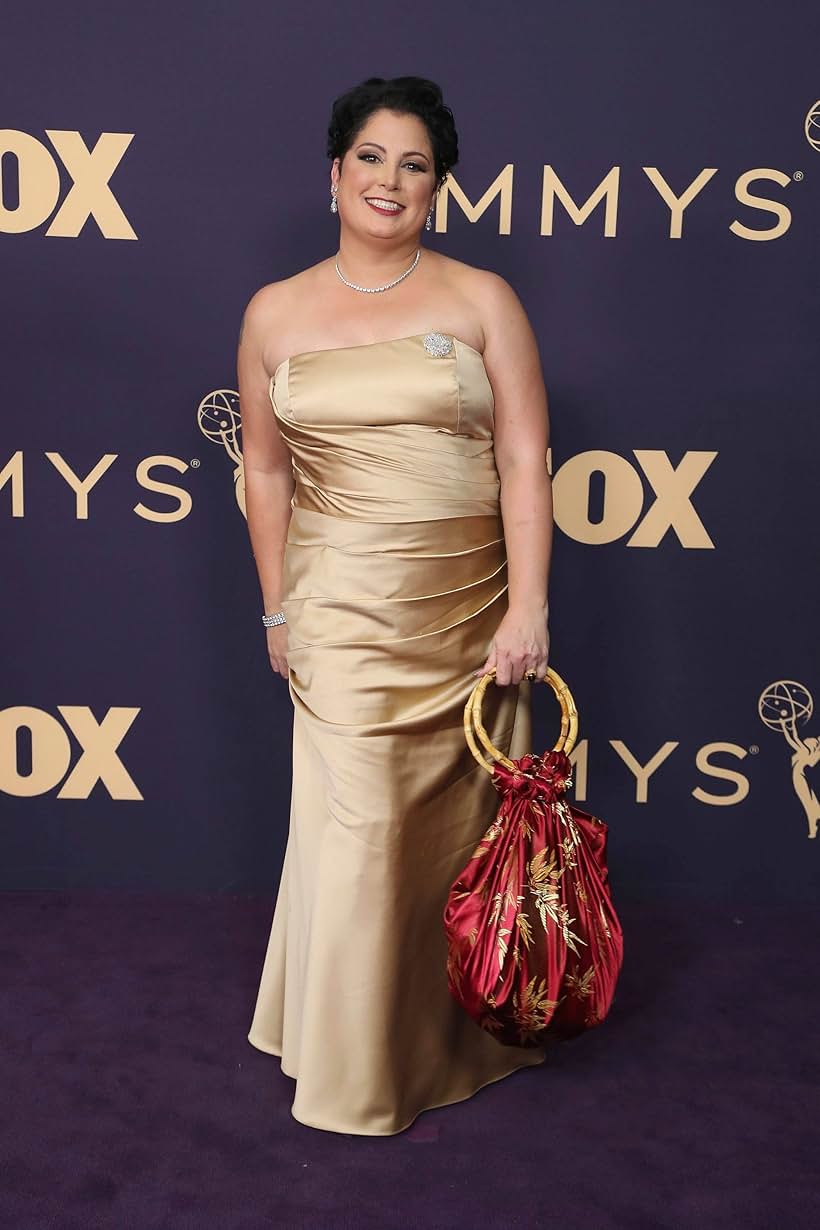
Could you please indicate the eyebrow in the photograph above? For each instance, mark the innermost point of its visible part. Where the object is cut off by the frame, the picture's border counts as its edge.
(406, 154)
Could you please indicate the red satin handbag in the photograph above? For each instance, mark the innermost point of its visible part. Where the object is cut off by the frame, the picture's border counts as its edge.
(534, 944)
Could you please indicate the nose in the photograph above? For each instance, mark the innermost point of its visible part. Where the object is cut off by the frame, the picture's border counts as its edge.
(390, 178)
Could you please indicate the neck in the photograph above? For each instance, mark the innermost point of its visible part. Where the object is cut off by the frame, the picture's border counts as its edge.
(360, 260)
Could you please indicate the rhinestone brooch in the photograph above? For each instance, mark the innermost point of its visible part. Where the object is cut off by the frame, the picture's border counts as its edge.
(438, 344)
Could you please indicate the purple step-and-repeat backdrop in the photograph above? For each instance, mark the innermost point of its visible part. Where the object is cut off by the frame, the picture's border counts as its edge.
(647, 178)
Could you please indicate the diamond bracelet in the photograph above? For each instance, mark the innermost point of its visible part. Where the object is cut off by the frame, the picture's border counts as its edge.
(270, 621)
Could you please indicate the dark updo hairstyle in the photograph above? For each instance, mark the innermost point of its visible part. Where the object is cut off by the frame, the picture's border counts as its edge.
(406, 95)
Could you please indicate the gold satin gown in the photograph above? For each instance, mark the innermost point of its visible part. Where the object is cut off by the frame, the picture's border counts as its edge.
(394, 582)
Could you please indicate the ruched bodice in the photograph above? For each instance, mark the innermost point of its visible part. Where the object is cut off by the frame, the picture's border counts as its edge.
(381, 430)
(393, 585)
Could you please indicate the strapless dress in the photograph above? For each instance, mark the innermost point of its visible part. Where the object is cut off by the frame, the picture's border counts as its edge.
(394, 583)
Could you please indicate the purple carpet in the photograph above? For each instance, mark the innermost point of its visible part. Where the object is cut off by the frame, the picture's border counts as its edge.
(131, 1097)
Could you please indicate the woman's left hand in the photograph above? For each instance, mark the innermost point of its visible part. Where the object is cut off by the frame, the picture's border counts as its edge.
(520, 644)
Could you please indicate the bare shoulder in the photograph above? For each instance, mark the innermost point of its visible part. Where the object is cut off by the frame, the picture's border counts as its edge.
(276, 298)
(264, 305)
(471, 278)
(271, 307)
(494, 293)
(510, 344)
(492, 299)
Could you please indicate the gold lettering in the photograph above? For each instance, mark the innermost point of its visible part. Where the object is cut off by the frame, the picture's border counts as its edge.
(642, 772)
(152, 484)
(729, 775)
(99, 760)
(677, 204)
(607, 188)
(622, 492)
(673, 509)
(38, 179)
(501, 186)
(50, 751)
(758, 202)
(13, 469)
(90, 195)
(81, 487)
(579, 759)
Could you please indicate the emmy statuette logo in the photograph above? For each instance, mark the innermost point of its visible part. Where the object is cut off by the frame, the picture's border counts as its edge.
(219, 421)
(811, 127)
(783, 706)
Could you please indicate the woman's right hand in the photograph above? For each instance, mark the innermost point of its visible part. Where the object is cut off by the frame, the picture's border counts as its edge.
(278, 649)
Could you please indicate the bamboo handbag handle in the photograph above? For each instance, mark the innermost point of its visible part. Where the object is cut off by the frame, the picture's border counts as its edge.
(474, 726)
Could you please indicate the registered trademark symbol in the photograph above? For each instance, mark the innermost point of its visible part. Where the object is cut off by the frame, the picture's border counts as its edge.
(195, 463)
(798, 175)
(754, 749)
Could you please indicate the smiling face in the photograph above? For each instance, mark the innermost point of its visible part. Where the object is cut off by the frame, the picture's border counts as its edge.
(388, 178)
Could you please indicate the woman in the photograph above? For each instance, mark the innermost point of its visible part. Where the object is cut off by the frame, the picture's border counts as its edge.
(394, 425)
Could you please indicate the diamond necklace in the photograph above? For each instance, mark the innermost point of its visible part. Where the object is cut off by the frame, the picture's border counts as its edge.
(374, 290)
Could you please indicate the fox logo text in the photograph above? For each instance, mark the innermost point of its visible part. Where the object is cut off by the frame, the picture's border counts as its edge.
(32, 735)
(30, 183)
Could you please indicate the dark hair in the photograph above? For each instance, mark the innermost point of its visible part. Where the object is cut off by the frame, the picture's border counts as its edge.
(406, 95)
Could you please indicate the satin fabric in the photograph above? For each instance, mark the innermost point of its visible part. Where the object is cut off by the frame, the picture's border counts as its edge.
(535, 943)
(394, 582)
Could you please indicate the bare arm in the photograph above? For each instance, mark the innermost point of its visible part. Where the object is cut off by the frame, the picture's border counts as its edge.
(269, 480)
(521, 437)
